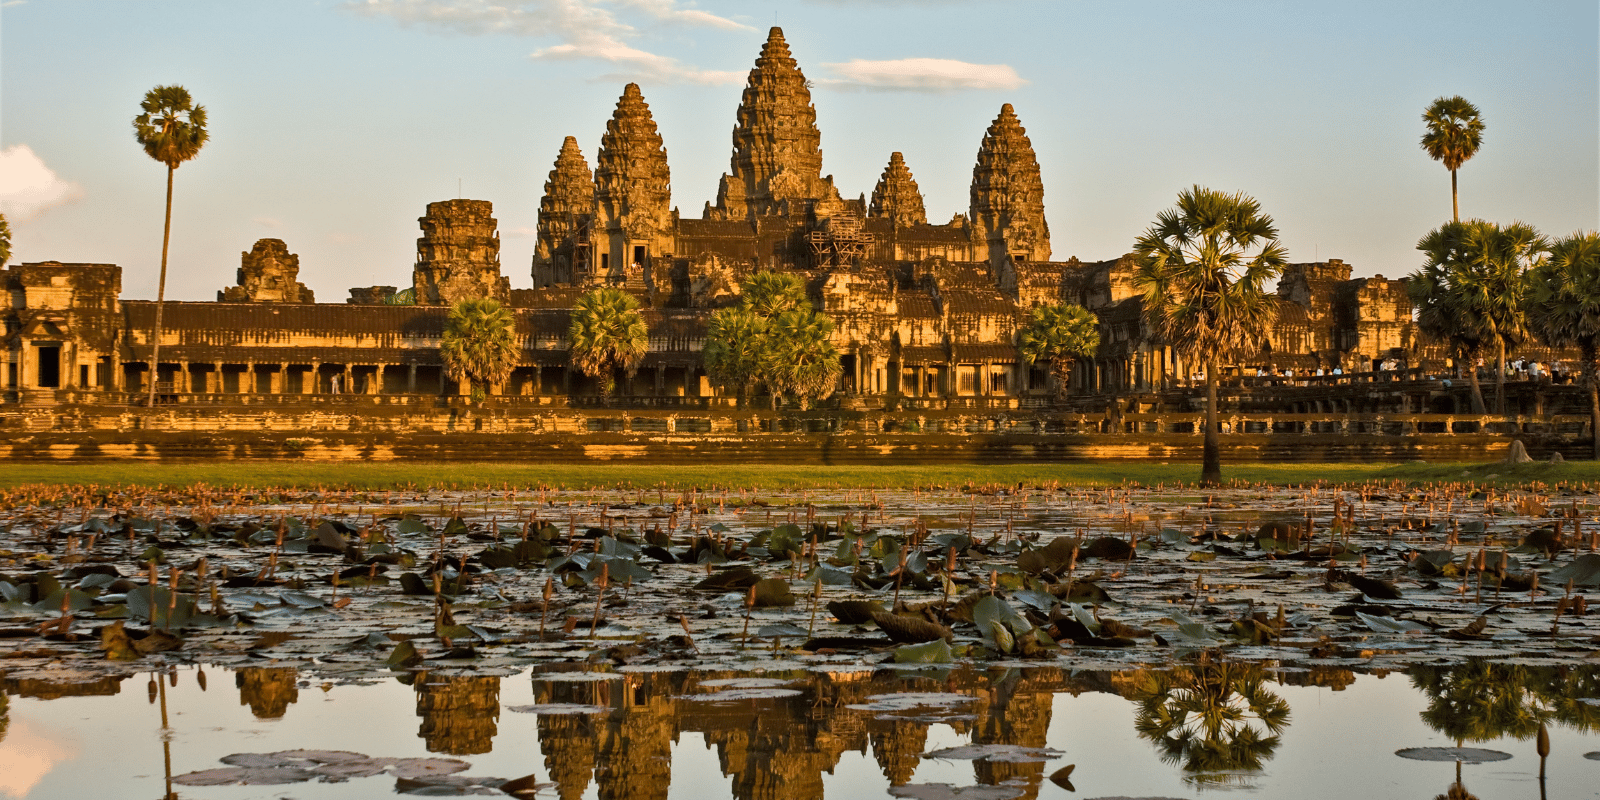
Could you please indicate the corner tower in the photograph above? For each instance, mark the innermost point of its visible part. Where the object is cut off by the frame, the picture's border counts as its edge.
(633, 194)
(564, 214)
(458, 256)
(777, 149)
(1008, 195)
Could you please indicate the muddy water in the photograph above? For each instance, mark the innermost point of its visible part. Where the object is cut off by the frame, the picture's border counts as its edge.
(598, 732)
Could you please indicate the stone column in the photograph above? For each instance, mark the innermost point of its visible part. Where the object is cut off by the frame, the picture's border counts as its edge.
(661, 381)
(411, 379)
(309, 385)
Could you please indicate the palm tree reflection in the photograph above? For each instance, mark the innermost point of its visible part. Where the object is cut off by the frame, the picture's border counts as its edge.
(1215, 719)
(1482, 701)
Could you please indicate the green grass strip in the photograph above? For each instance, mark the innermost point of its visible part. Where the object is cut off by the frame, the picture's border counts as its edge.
(379, 476)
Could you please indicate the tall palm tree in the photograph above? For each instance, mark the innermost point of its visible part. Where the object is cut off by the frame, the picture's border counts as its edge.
(1471, 290)
(736, 340)
(1061, 334)
(479, 345)
(1455, 131)
(1202, 269)
(171, 130)
(607, 334)
(5, 241)
(1564, 309)
(800, 360)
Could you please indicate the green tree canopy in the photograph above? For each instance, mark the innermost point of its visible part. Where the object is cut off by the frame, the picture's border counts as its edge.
(1061, 334)
(1454, 133)
(1564, 309)
(171, 129)
(801, 361)
(1202, 270)
(773, 338)
(607, 334)
(769, 293)
(479, 345)
(1471, 291)
(735, 347)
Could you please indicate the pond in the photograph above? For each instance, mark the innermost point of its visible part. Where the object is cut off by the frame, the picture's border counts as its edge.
(945, 642)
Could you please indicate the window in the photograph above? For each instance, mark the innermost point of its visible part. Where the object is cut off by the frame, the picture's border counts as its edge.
(969, 381)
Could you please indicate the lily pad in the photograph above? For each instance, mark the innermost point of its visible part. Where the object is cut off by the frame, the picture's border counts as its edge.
(1466, 755)
(247, 776)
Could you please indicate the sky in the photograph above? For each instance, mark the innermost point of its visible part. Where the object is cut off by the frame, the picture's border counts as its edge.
(334, 123)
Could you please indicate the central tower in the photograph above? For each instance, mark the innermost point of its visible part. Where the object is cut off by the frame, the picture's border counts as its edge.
(777, 149)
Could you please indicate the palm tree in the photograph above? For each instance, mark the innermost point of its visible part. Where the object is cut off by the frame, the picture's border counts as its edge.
(1455, 132)
(800, 359)
(1471, 290)
(172, 130)
(5, 241)
(735, 341)
(607, 333)
(770, 293)
(1564, 309)
(1061, 334)
(1202, 269)
(479, 346)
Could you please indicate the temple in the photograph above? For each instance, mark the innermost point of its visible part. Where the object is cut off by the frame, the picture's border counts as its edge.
(926, 314)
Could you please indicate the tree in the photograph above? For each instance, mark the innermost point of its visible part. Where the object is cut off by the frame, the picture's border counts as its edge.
(736, 339)
(1564, 309)
(1470, 292)
(1061, 334)
(800, 360)
(769, 293)
(1455, 131)
(5, 241)
(607, 334)
(773, 337)
(1202, 270)
(479, 345)
(171, 130)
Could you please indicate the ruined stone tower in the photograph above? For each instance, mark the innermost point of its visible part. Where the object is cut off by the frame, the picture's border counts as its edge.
(633, 194)
(565, 212)
(267, 274)
(896, 197)
(777, 149)
(458, 256)
(1008, 196)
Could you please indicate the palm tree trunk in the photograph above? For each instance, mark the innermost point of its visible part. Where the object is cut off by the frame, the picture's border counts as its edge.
(1455, 203)
(1500, 376)
(1477, 390)
(1591, 365)
(161, 296)
(1210, 453)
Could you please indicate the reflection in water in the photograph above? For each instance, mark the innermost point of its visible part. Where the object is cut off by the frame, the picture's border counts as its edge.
(459, 713)
(1481, 701)
(1216, 721)
(268, 691)
(1215, 718)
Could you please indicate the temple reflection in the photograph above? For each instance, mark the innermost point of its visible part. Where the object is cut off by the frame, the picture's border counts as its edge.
(780, 734)
(268, 691)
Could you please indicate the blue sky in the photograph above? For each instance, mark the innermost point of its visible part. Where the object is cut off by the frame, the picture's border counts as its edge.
(334, 123)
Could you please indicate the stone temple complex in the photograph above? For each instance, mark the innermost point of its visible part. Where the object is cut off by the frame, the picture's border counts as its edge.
(926, 314)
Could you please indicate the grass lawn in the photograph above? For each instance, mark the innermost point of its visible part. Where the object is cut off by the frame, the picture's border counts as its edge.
(765, 476)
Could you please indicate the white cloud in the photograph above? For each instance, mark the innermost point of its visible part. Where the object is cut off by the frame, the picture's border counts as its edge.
(29, 752)
(585, 30)
(28, 188)
(921, 75)
(267, 222)
(10, 3)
